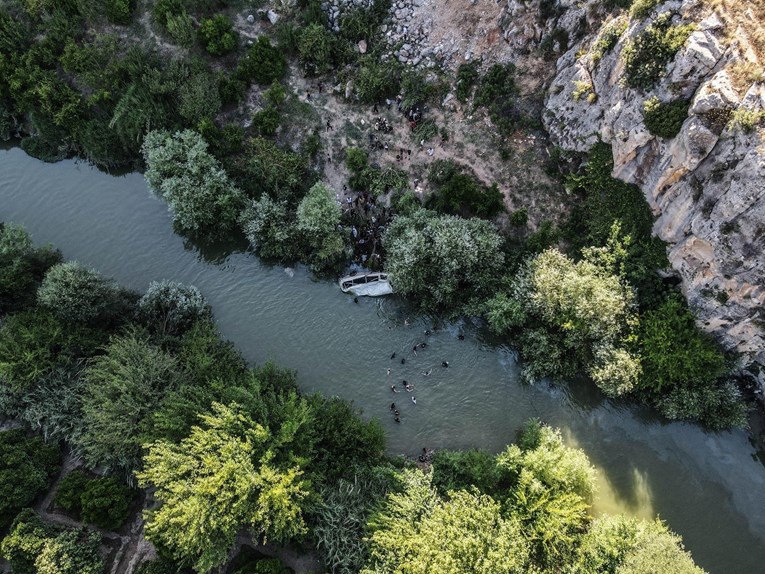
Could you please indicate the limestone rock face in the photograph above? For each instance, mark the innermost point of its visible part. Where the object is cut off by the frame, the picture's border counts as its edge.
(707, 184)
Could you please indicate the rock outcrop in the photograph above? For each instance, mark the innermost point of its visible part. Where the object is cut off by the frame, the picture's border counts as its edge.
(706, 185)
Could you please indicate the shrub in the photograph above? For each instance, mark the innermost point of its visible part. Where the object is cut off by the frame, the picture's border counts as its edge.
(217, 35)
(467, 76)
(641, 8)
(497, 92)
(376, 80)
(27, 467)
(646, 57)
(171, 308)
(315, 48)
(459, 193)
(463, 469)
(199, 98)
(609, 37)
(263, 63)
(265, 122)
(76, 294)
(519, 217)
(181, 29)
(747, 120)
(119, 11)
(664, 119)
(269, 230)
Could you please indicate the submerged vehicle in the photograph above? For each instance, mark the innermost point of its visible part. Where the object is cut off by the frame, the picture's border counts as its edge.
(369, 284)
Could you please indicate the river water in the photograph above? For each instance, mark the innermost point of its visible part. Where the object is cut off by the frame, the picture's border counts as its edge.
(709, 487)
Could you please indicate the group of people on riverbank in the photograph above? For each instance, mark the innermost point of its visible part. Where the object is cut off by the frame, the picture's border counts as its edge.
(366, 221)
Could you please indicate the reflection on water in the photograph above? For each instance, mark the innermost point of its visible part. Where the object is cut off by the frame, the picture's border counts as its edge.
(708, 487)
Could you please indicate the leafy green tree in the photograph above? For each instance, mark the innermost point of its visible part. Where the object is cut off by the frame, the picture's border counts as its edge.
(123, 389)
(418, 532)
(27, 466)
(119, 11)
(217, 35)
(552, 489)
(218, 479)
(199, 98)
(443, 261)
(71, 552)
(25, 541)
(172, 308)
(199, 193)
(463, 469)
(22, 267)
(263, 63)
(317, 220)
(76, 294)
(623, 545)
(675, 352)
(315, 48)
(269, 229)
(103, 501)
(267, 168)
(587, 308)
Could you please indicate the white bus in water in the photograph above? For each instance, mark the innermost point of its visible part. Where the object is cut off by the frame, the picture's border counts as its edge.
(370, 284)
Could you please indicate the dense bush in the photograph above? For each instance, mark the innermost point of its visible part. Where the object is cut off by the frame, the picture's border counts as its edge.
(467, 76)
(269, 230)
(263, 63)
(497, 92)
(646, 57)
(443, 261)
(119, 11)
(172, 308)
(22, 267)
(75, 294)
(217, 35)
(315, 48)
(642, 8)
(462, 469)
(665, 119)
(102, 501)
(376, 80)
(27, 467)
(198, 191)
(459, 193)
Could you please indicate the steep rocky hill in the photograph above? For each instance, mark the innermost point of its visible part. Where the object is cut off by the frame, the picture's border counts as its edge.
(698, 63)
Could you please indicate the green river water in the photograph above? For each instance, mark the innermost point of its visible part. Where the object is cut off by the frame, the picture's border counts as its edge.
(709, 487)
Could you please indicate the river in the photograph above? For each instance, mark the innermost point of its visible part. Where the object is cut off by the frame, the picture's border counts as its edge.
(709, 487)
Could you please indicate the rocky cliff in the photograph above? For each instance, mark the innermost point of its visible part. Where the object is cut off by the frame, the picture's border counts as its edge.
(706, 184)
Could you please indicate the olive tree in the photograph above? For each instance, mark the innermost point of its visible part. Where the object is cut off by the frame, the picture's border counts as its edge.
(75, 294)
(318, 218)
(199, 193)
(269, 229)
(443, 261)
(172, 308)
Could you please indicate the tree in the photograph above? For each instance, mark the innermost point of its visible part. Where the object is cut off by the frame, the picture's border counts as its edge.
(172, 308)
(443, 261)
(552, 489)
(22, 267)
(268, 228)
(624, 545)
(315, 48)
(197, 190)
(25, 541)
(218, 479)
(463, 469)
(267, 168)
(103, 501)
(587, 310)
(460, 193)
(71, 552)
(318, 218)
(27, 466)
(263, 63)
(123, 389)
(217, 35)
(416, 531)
(76, 294)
